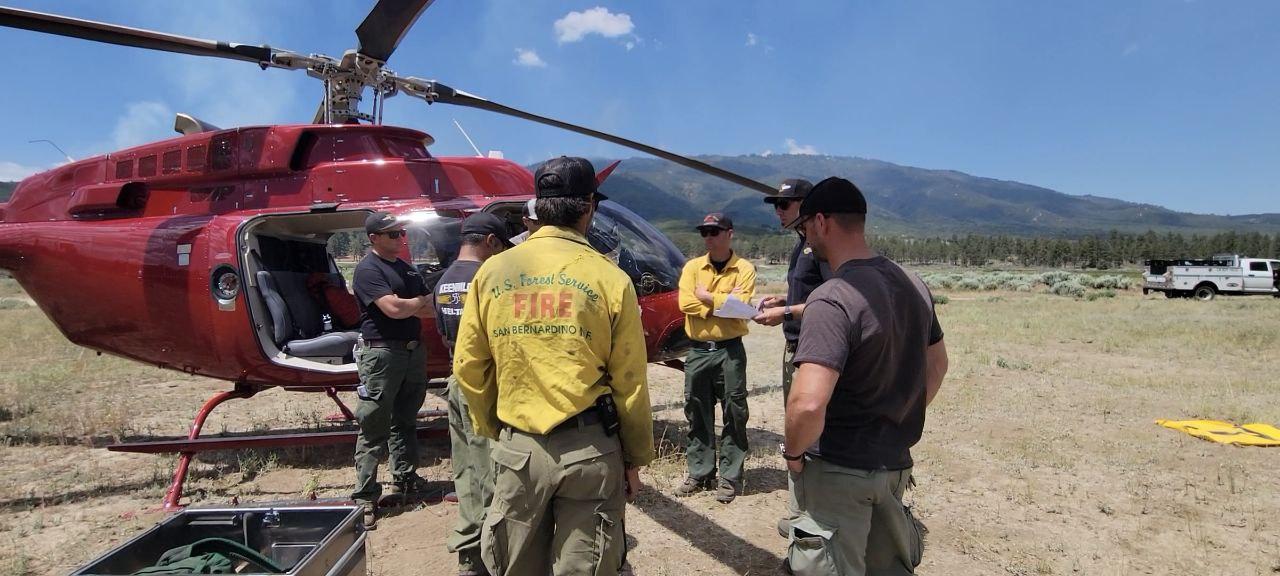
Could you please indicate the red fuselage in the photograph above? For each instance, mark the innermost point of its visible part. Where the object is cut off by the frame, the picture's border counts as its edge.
(118, 250)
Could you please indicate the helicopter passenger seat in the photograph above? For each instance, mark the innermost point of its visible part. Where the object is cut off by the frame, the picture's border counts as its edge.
(296, 319)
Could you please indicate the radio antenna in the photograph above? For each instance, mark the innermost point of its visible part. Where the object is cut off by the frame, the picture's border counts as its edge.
(56, 147)
(464, 135)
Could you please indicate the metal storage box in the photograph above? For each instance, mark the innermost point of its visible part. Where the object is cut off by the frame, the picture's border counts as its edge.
(304, 540)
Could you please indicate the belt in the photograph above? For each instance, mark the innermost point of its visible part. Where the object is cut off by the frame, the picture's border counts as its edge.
(393, 344)
(712, 346)
(588, 417)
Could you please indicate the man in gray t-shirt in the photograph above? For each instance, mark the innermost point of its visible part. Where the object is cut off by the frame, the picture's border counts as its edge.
(870, 358)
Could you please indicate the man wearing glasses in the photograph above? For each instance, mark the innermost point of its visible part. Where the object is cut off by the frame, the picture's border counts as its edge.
(804, 273)
(391, 362)
(715, 368)
(871, 357)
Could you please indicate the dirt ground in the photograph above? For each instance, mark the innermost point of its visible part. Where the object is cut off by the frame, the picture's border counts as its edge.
(1040, 455)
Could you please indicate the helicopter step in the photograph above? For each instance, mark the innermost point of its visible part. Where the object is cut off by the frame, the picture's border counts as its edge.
(258, 442)
(193, 443)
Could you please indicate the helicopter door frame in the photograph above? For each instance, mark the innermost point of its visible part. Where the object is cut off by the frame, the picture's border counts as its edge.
(249, 254)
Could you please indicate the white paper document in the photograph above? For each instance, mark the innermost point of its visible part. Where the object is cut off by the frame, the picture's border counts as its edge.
(735, 308)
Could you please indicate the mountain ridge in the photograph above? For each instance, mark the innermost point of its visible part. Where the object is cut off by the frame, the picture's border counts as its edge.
(915, 201)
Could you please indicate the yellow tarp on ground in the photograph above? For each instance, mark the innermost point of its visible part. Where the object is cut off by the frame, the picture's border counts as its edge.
(1256, 434)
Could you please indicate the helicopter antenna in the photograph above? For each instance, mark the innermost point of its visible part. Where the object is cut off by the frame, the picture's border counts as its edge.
(56, 147)
(464, 135)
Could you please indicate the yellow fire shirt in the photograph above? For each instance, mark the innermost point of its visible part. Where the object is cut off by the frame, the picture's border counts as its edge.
(542, 323)
(699, 323)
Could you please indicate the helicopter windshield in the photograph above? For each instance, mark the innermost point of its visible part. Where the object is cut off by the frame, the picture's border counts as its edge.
(433, 242)
(651, 261)
(644, 253)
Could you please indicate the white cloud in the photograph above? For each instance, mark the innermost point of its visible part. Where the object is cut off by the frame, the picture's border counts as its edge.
(528, 58)
(794, 148)
(767, 153)
(12, 171)
(575, 26)
(757, 43)
(142, 122)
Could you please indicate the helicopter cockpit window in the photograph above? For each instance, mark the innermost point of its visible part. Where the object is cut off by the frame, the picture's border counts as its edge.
(433, 243)
(644, 253)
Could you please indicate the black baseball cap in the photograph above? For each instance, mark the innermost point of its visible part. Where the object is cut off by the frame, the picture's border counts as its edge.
(380, 222)
(486, 224)
(565, 177)
(791, 189)
(716, 220)
(832, 196)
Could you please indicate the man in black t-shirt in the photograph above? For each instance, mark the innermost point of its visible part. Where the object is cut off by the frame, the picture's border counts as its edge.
(391, 361)
(483, 235)
(869, 360)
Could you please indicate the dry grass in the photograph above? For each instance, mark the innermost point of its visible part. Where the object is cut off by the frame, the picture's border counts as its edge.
(1039, 457)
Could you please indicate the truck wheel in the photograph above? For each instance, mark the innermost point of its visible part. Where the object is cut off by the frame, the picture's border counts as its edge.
(1205, 293)
(1172, 294)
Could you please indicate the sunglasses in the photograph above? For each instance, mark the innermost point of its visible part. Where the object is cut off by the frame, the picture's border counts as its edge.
(799, 224)
(711, 232)
(394, 234)
(783, 204)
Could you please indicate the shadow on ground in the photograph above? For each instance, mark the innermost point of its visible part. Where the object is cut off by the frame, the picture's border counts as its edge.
(707, 536)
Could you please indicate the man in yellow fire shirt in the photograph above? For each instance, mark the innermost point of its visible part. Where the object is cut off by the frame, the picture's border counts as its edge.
(551, 357)
(716, 367)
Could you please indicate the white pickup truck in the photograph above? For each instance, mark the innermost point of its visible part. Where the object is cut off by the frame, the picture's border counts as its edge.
(1205, 279)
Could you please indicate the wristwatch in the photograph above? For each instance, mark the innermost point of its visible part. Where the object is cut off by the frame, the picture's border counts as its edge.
(783, 449)
(786, 313)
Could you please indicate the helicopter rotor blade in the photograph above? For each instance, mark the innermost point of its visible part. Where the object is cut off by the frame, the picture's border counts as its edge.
(436, 92)
(386, 25)
(126, 36)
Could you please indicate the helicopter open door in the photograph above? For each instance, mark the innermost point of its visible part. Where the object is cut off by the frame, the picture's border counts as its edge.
(288, 266)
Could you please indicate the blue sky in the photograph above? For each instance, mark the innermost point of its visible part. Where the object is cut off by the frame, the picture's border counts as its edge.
(1169, 102)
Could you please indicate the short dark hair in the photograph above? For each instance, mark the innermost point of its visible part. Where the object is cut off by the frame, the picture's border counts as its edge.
(849, 220)
(473, 239)
(563, 211)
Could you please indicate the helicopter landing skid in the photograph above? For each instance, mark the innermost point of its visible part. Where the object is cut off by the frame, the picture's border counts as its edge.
(345, 414)
(193, 443)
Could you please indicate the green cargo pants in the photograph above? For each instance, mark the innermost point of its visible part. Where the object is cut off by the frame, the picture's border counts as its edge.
(852, 522)
(558, 504)
(788, 370)
(711, 376)
(472, 479)
(395, 382)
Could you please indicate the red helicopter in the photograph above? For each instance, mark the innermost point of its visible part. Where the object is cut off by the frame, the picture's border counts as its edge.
(201, 249)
